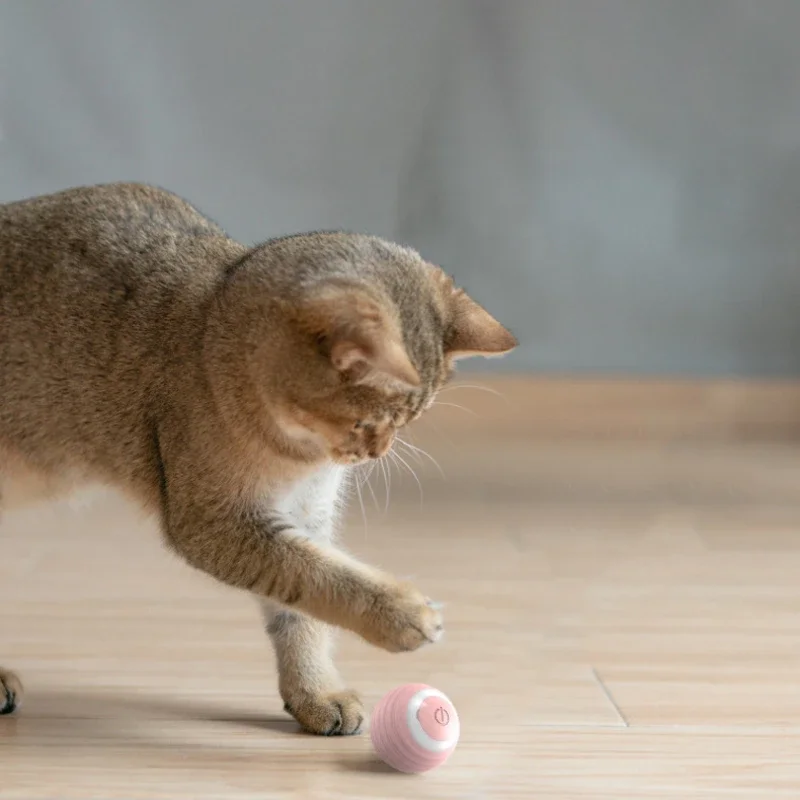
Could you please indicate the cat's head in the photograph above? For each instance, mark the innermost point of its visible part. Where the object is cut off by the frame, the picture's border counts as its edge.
(369, 333)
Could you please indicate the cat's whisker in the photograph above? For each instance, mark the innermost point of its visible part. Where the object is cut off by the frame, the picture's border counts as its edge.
(418, 451)
(365, 471)
(363, 508)
(476, 386)
(391, 459)
(424, 420)
(411, 452)
(408, 466)
(456, 405)
(368, 484)
(363, 475)
(386, 482)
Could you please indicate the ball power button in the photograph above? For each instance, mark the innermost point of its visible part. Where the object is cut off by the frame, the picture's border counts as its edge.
(437, 719)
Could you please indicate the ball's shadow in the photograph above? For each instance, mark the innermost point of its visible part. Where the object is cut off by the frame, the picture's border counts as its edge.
(370, 765)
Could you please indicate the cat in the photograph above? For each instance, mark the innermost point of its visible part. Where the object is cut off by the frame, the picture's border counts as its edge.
(229, 390)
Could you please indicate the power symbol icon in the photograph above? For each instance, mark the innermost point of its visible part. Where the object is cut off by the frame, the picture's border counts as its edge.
(442, 716)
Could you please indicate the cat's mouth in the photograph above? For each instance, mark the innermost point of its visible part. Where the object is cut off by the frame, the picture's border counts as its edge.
(359, 443)
(349, 459)
(353, 458)
(368, 447)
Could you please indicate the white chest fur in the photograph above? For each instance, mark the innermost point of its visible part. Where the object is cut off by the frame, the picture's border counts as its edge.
(314, 502)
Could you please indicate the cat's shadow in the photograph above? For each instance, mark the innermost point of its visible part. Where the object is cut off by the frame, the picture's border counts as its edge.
(85, 705)
(133, 727)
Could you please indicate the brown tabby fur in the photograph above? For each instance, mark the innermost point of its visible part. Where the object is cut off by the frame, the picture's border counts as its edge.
(227, 390)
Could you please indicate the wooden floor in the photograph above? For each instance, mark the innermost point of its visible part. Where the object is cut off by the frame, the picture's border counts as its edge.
(623, 621)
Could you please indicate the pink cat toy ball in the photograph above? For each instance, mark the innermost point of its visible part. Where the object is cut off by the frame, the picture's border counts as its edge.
(414, 728)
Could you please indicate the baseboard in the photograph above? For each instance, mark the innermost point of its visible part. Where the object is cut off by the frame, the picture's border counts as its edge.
(620, 408)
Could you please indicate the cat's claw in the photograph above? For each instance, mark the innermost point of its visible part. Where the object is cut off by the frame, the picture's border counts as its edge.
(404, 620)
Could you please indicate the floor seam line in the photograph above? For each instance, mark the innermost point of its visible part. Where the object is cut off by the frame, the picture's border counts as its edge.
(610, 697)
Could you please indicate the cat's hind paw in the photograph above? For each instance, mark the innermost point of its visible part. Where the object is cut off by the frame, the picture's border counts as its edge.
(10, 692)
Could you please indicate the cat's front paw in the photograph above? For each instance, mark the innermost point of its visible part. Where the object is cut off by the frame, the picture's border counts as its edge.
(10, 691)
(332, 714)
(403, 619)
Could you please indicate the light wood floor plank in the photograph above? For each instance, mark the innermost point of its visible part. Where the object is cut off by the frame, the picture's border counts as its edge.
(623, 620)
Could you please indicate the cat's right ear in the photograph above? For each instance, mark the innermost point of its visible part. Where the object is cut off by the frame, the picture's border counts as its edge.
(359, 336)
(474, 331)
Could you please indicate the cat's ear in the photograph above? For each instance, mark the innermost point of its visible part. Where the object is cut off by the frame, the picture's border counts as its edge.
(373, 357)
(474, 331)
(360, 337)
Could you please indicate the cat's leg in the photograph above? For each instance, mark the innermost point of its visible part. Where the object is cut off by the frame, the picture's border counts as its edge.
(309, 683)
(10, 691)
(10, 684)
(256, 551)
(261, 550)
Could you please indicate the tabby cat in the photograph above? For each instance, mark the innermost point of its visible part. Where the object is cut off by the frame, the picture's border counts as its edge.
(229, 390)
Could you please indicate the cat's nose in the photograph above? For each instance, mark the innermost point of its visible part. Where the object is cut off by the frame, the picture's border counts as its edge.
(381, 443)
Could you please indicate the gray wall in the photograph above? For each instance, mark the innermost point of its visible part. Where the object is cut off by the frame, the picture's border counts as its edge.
(619, 180)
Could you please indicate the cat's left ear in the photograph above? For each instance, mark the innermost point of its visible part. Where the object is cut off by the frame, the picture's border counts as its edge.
(474, 331)
(361, 337)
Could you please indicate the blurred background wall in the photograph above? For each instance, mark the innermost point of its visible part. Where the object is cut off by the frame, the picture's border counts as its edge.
(619, 180)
